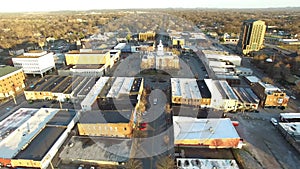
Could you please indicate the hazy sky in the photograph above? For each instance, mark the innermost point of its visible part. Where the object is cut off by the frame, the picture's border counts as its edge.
(55, 5)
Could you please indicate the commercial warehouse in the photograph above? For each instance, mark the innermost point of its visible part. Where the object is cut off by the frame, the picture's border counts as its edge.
(53, 87)
(106, 123)
(36, 139)
(114, 93)
(97, 150)
(211, 133)
(190, 92)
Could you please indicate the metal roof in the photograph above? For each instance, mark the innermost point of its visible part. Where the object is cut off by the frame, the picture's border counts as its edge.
(22, 135)
(186, 88)
(14, 121)
(189, 128)
(290, 115)
(252, 79)
(246, 95)
(228, 90)
(121, 85)
(94, 92)
(62, 118)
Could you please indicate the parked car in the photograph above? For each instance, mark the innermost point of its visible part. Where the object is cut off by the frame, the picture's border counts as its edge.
(274, 121)
(155, 101)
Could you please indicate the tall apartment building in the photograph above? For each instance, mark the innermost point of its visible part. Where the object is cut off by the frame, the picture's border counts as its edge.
(11, 81)
(35, 62)
(252, 36)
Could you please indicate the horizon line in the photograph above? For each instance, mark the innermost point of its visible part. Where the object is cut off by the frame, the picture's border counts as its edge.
(218, 8)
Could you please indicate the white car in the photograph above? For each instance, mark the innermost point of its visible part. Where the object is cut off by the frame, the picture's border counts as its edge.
(155, 101)
(274, 121)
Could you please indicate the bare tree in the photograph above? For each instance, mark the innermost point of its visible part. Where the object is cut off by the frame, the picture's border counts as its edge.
(165, 163)
(133, 164)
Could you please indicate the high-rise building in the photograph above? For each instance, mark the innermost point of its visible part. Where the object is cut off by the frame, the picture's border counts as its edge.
(252, 36)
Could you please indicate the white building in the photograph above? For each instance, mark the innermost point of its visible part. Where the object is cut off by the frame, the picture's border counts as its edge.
(222, 95)
(35, 62)
(222, 56)
(209, 133)
(91, 97)
(160, 60)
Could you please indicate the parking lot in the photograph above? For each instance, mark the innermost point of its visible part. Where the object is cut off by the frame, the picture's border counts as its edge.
(265, 145)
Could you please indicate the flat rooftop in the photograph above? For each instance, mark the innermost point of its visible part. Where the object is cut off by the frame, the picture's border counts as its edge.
(4, 70)
(56, 84)
(98, 116)
(95, 90)
(268, 87)
(292, 128)
(207, 163)
(88, 66)
(228, 90)
(62, 118)
(199, 130)
(227, 77)
(220, 89)
(121, 103)
(118, 87)
(252, 79)
(14, 121)
(246, 95)
(97, 149)
(185, 88)
(87, 52)
(26, 131)
(85, 86)
(205, 93)
(290, 115)
(41, 144)
(33, 54)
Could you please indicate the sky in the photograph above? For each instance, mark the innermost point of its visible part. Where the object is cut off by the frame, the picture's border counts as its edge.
(56, 5)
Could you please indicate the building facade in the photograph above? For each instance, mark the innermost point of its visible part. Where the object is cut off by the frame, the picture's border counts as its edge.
(160, 60)
(87, 56)
(53, 87)
(270, 95)
(147, 36)
(222, 95)
(252, 36)
(11, 81)
(35, 62)
(106, 123)
(190, 92)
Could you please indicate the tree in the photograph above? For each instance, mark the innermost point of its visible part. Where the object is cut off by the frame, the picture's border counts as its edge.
(267, 80)
(133, 164)
(168, 108)
(165, 163)
(139, 134)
